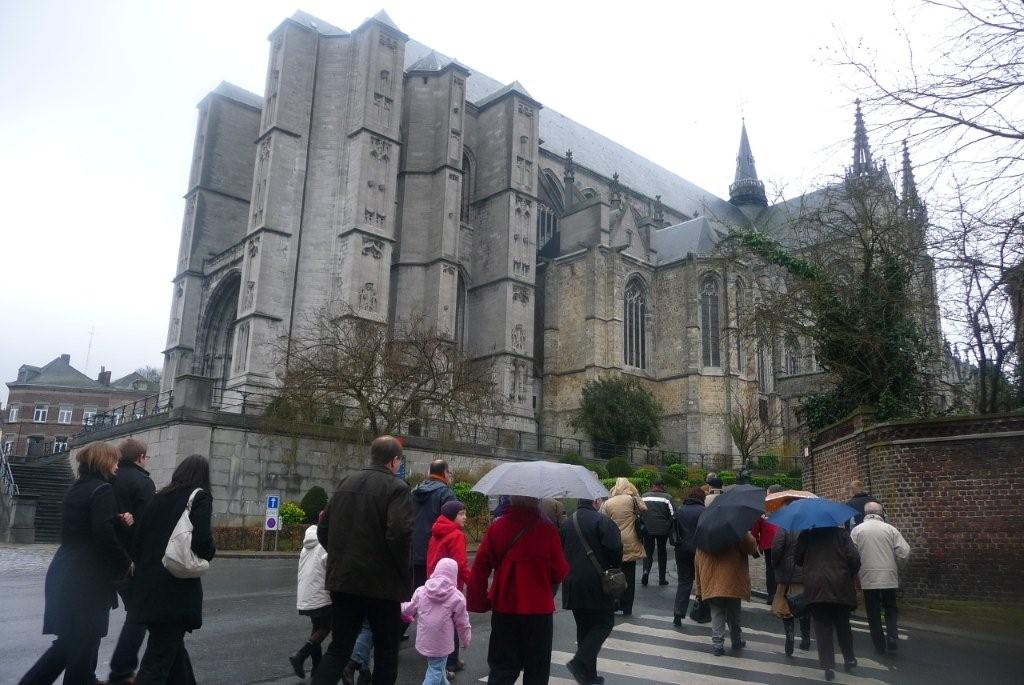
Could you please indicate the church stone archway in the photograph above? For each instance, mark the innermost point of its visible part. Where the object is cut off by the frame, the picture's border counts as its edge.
(217, 334)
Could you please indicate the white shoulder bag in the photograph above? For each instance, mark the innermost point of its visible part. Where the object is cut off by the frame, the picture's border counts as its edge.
(179, 559)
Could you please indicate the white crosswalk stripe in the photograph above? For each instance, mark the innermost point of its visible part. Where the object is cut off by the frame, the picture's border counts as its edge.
(859, 625)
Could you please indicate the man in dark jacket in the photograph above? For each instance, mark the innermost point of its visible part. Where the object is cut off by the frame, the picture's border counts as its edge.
(858, 498)
(367, 532)
(685, 520)
(428, 497)
(133, 489)
(658, 519)
(592, 608)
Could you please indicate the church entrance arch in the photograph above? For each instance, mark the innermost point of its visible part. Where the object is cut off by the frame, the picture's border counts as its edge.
(217, 333)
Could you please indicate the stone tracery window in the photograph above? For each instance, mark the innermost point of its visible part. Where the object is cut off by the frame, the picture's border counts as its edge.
(793, 356)
(738, 335)
(710, 323)
(460, 313)
(634, 323)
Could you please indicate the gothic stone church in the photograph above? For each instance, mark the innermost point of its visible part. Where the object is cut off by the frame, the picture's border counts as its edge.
(377, 176)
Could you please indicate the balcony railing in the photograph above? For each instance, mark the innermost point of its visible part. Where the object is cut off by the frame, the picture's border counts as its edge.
(153, 405)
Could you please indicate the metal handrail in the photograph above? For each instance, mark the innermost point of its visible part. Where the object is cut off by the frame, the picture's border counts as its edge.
(160, 403)
(7, 485)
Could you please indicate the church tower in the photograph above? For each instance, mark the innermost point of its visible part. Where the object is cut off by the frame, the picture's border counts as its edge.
(863, 165)
(747, 190)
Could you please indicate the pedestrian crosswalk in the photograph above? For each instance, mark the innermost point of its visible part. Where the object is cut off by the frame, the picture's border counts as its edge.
(647, 648)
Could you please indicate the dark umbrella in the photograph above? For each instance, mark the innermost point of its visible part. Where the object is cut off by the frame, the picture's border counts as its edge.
(729, 517)
(805, 514)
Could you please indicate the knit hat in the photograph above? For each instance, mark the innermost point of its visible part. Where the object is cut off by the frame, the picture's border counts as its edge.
(451, 509)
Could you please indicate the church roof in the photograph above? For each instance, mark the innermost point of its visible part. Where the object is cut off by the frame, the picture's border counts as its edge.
(383, 18)
(238, 94)
(598, 153)
(514, 87)
(59, 373)
(698, 236)
(319, 25)
(429, 63)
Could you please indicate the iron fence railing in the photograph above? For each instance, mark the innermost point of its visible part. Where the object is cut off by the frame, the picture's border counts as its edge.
(161, 403)
(7, 485)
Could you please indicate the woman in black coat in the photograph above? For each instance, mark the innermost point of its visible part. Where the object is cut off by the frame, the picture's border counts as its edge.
(169, 606)
(685, 521)
(80, 581)
(592, 608)
(830, 562)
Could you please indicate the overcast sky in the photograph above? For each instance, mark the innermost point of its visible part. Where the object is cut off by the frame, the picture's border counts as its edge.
(98, 109)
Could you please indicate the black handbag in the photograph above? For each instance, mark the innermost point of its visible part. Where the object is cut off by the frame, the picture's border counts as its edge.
(700, 610)
(797, 605)
(613, 580)
(641, 526)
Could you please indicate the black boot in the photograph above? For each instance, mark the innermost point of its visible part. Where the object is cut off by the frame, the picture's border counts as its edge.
(298, 660)
(348, 675)
(643, 579)
(315, 654)
(790, 637)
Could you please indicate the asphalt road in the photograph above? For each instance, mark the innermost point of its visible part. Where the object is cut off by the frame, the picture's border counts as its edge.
(251, 625)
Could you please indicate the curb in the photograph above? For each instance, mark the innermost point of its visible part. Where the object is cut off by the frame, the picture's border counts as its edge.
(244, 554)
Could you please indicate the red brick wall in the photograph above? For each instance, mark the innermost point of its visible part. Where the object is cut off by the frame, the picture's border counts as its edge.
(953, 487)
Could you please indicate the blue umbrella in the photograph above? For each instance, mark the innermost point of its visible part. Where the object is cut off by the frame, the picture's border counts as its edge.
(804, 514)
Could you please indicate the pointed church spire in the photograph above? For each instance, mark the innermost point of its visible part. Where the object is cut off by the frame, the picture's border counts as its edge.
(862, 164)
(913, 208)
(746, 189)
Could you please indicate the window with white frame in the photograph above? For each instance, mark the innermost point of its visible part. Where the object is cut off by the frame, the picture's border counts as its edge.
(89, 416)
(60, 444)
(64, 415)
(12, 413)
(40, 414)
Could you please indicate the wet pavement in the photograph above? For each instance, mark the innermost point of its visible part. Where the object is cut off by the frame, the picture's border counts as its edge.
(250, 626)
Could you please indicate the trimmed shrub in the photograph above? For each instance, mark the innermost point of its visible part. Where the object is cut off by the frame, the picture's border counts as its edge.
(619, 467)
(571, 458)
(672, 459)
(644, 478)
(598, 468)
(476, 504)
(768, 461)
(313, 502)
(292, 512)
(671, 480)
(777, 479)
(677, 471)
(696, 475)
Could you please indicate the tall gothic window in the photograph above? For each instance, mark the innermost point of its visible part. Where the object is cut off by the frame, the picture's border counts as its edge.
(634, 321)
(547, 224)
(467, 188)
(762, 368)
(460, 313)
(710, 325)
(738, 342)
(793, 354)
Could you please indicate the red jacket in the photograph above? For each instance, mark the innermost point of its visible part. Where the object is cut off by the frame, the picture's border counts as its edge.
(448, 540)
(764, 533)
(527, 574)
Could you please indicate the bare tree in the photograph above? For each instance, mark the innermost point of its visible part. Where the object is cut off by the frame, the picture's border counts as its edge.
(380, 377)
(150, 373)
(960, 103)
(751, 426)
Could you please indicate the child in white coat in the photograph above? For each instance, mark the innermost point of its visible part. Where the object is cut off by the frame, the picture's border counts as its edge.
(313, 600)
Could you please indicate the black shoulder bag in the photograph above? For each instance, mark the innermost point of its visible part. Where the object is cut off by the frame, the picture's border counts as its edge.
(613, 580)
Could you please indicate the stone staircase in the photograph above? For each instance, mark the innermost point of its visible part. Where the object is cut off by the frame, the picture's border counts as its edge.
(48, 477)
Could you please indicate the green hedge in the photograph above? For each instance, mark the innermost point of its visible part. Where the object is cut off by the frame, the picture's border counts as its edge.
(780, 479)
(768, 461)
(619, 467)
(313, 502)
(476, 504)
(291, 512)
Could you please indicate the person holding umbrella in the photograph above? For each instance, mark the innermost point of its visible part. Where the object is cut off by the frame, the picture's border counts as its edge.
(830, 562)
(788, 574)
(722, 570)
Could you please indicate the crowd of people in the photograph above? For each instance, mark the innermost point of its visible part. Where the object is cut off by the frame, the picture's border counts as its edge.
(383, 556)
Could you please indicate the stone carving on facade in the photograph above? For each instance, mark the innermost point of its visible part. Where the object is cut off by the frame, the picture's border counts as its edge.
(525, 109)
(448, 269)
(373, 247)
(388, 42)
(243, 345)
(249, 294)
(520, 294)
(383, 105)
(380, 152)
(368, 297)
(262, 173)
(254, 247)
(518, 338)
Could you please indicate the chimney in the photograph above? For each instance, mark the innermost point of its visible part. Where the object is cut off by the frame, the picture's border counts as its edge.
(104, 377)
(66, 358)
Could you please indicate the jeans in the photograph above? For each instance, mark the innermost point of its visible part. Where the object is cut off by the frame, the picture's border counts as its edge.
(125, 659)
(875, 601)
(348, 614)
(626, 600)
(593, 626)
(723, 610)
(684, 582)
(435, 671)
(828, 618)
(165, 660)
(519, 643)
(362, 652)
(649, 544)
(453, 658)
(73, 654)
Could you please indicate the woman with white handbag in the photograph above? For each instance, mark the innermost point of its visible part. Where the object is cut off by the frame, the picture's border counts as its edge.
(172, 548)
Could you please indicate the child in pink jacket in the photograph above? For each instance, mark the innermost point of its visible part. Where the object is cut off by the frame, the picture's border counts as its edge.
(441, 610)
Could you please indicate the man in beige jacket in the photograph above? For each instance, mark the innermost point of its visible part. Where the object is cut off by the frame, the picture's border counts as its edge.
(883, 552)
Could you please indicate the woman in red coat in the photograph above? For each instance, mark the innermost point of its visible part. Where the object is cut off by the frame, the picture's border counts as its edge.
(448, 541)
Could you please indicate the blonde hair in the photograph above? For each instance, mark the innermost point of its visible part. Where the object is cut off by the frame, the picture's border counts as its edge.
(97, 457)
(623, 487)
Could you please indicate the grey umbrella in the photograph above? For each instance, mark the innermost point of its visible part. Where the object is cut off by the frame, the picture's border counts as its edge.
(542, 479)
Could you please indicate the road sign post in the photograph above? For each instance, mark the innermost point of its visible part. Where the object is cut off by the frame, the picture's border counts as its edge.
(272, 520)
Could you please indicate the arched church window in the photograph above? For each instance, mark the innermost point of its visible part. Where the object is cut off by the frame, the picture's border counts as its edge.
(793, 355)
(762, 368)
(467, 187)
(710, 324)
(634, 322)
(738, 335)
(460, 313)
